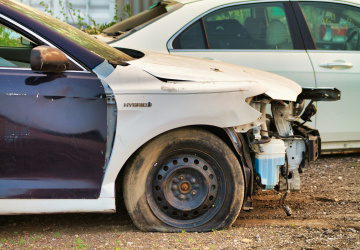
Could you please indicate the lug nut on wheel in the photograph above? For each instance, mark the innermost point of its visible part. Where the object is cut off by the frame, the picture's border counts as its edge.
(181, 177)
(182, 197)
(193, 180)
(174, 187)
(193, 192)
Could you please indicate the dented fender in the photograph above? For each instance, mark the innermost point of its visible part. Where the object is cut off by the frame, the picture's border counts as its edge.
(148, 106)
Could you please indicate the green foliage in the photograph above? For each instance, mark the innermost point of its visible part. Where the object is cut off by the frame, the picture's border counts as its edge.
(9, 38)
(79, 244)
(22, 242)
(77, 18)
(47, 8)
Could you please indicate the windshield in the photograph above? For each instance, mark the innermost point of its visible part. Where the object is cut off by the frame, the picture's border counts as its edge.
(144, 18)
(110, 54)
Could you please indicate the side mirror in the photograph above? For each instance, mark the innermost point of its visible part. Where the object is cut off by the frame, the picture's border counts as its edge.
(45, 58)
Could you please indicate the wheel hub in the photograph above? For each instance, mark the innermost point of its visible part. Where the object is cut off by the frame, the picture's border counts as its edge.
(185, 187)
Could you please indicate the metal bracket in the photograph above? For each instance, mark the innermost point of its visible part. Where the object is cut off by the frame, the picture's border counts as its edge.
(110, 99)
(320, 94)
(313, 147)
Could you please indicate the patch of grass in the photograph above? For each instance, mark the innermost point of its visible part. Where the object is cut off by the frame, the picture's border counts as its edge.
(178, 239)
(56, 234)
(79, 244)
(22, 242)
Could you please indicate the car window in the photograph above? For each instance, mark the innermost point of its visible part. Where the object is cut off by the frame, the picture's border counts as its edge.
(255, 26)
(14, 49)
(192, 38)
(333, 26)
(110, 54)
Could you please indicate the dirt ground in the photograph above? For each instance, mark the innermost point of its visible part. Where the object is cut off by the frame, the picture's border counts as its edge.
(326, 215)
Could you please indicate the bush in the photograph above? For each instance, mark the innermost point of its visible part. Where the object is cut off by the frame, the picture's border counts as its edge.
(78, 17)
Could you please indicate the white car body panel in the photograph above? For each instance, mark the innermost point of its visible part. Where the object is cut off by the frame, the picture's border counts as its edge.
(298, 69)
(346, 80)
(50, 206)
(226, 106)
(299, 65)
(184, 68)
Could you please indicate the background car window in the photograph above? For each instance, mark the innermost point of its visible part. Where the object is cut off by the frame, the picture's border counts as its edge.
(14, 49)
(192, 38)
(333, 26)
(255, 26)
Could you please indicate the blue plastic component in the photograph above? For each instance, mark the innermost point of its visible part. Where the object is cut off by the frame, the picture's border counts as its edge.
(268, 170)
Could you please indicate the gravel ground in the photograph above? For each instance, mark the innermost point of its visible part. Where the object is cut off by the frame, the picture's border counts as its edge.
(326, 215)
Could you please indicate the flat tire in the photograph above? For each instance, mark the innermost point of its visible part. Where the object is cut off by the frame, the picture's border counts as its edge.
(185, 179)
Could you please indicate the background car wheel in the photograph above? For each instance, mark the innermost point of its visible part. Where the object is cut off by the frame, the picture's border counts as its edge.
(185, 179)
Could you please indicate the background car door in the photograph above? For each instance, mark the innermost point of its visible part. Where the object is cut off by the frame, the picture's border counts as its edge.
(53, 127)
(260, 35)
(336, 58)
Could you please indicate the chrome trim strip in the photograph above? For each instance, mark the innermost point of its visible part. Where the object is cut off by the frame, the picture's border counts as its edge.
(335, 51)
(29, 69)
(330, 1)
(238, 50)
(14, 68)
(43, 40)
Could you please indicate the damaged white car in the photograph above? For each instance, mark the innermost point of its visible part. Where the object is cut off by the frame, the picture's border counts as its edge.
(181, 140)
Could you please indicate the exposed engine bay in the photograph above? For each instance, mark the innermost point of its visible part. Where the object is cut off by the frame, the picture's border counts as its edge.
(281, 144)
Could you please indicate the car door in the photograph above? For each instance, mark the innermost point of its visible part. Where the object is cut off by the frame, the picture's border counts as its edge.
(335, 55)
(258, 35)
(53, 126)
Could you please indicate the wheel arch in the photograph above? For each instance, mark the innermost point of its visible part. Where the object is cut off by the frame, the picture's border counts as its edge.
(217, 131)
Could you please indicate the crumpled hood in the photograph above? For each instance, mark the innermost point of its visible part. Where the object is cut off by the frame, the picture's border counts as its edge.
(179, 68)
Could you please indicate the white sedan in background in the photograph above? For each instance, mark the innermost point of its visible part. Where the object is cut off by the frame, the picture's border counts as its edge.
(315, 43)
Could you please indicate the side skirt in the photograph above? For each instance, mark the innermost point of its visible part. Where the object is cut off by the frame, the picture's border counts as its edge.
(41, 206)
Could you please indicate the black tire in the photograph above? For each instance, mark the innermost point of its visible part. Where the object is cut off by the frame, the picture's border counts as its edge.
(185, 179)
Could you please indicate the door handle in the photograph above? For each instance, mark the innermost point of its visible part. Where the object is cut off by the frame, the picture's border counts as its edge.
(332, 65)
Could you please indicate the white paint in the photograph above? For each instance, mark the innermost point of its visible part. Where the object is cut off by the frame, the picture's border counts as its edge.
(37, 206)
(13, 94)
(220, 104)
(201, 93)
(191, 69)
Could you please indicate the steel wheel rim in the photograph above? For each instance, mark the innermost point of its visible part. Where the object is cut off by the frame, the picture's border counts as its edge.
(185, 189)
